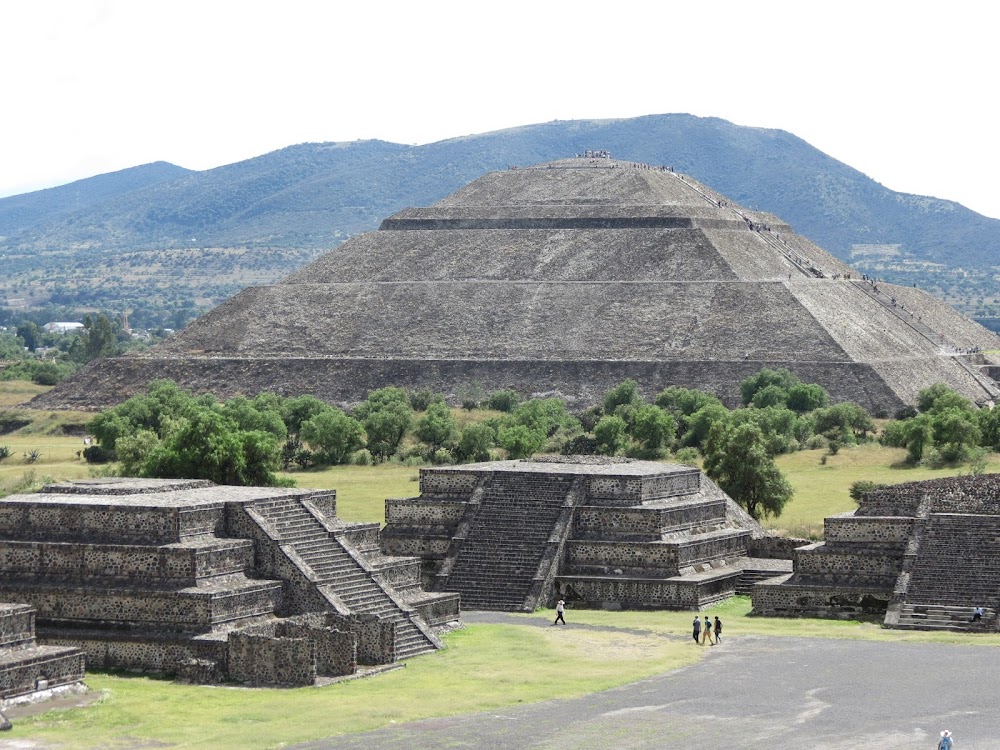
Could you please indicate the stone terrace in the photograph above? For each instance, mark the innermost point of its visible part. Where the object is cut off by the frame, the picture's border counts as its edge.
(159, 575)
(920, 555)
(514, 535)
(28, 670)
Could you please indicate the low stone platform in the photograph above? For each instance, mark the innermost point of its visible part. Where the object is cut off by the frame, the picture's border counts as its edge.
(27, 669)
(597, 531)
(212, 582)
(920, 556)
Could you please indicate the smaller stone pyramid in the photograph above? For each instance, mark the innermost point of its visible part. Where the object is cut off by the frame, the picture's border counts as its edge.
(595, 531)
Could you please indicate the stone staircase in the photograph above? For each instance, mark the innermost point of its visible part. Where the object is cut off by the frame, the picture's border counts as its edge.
(958, 565)
(335, 570)
(498, 565)
(944, 617)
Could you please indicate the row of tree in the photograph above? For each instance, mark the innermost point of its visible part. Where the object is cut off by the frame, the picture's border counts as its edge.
(170, 432)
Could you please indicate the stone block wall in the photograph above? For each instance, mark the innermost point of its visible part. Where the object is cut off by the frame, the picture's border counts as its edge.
(98, 523)
(891, 531)
(17, 626)
(270, 659)
(179, 564)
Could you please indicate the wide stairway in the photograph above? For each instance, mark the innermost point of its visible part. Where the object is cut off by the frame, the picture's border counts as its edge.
(956, 569)
(497, 565)
(334, 567)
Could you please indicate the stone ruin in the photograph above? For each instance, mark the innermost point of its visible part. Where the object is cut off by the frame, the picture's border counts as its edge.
(918, 556)
(29, 670)
(595, 531)
(259, 585)
(565, 279)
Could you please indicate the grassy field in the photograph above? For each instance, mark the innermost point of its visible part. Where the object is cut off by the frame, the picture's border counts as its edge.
(821, 489)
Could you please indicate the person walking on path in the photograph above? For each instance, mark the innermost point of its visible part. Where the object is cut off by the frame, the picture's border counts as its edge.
(946, 741)
(718, 629)
(706, 632)
(697, 628)
(560, 609)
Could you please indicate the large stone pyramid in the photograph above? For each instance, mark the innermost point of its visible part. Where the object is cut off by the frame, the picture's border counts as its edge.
(564, 279)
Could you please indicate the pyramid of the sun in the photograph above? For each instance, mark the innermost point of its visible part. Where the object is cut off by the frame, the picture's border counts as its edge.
(566, 278)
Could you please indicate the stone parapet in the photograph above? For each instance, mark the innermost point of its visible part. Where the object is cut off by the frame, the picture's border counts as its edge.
(777, 598)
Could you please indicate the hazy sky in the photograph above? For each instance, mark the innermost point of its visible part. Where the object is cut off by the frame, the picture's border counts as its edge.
(903, 91)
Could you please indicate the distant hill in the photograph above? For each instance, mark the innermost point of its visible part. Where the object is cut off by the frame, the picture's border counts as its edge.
(19, 214)
(283, 208)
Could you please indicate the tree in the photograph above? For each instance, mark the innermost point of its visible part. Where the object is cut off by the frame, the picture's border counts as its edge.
(520, 441)
(475, 443)
(653, 428)
(803, 397)
(939, 397)
(700, 423)
(781, 378)
(333, 435)
(167, 432)
(545, 415)
(386, 416)
(99, 337)
(28, 332)
(737, 459)
(505, 401)
(610, 433)
(437, 427)
(625, 393)
(296, 411)
(769, 395)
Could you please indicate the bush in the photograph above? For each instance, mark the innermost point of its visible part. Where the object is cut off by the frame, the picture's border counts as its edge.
(4, 452)
(505, 401)
(95, 454)
(362, 457)
(687, 456)
(905, 412)
(817, 442)
(442, 456)
(581, 445)
(862, 487)
(422, 398)
(610, 435)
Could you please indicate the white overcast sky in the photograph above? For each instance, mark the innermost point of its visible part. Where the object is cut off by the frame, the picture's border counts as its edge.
(906, 92)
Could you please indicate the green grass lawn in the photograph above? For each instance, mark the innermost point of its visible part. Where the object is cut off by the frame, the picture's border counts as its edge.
(821, 490)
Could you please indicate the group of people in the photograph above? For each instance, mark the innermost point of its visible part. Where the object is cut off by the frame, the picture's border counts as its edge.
(706, 631)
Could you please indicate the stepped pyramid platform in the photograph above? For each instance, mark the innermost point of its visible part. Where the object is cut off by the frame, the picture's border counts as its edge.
(257, 584)
(28, 670)
(596, 531)
(565, 278)
(920, 555)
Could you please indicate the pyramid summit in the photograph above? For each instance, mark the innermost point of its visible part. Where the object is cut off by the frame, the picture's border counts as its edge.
(564, 279)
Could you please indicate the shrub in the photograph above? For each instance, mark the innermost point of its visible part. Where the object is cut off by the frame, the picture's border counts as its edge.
(362, 457)
(442, 456)
(687, 456)
(581, 445)
(4, 452)
(505, 401)
(95, 454)
(421, 398)
(862, 487)
(610, 435)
